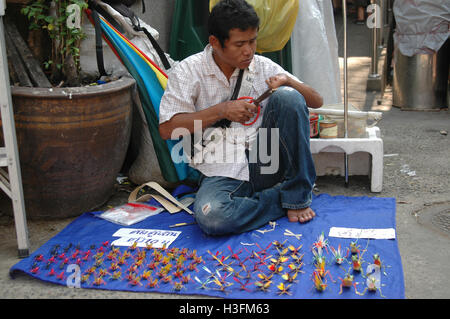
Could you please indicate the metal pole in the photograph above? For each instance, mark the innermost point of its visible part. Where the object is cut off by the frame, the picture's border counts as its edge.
(388, 12)
(344, 12)
(374, 38)
(381, 15)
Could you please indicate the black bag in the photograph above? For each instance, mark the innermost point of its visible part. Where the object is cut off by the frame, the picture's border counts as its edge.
(128, 3)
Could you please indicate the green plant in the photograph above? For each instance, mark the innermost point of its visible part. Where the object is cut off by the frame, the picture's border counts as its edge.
(61, 21)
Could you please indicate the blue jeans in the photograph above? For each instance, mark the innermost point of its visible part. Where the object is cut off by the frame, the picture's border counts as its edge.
(224, 205)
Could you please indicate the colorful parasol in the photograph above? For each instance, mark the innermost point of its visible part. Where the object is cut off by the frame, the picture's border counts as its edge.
(151, 82)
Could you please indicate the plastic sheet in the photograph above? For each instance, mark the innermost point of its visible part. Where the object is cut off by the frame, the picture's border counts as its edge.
(277, 20)
(422, 26)
(130, 213)
(332, 211)
(315, 49)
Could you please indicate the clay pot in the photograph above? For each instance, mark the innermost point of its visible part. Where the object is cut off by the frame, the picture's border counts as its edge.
(72, 144)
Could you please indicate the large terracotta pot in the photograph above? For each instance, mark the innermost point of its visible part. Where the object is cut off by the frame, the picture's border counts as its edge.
(72, 144)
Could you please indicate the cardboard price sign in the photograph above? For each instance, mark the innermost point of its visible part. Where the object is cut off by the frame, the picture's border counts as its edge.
(143, 237)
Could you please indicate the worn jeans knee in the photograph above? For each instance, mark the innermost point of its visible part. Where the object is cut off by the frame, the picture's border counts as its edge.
(288, 100)
(213, 207)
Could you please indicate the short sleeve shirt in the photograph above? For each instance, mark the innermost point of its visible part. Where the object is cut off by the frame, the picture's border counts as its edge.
(197, 83)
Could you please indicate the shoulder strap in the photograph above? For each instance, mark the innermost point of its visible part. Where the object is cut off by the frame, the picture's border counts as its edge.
(127, 12)
(158, 49)
(98, 43)
(224, 123)
(237, 88)
(109, 18)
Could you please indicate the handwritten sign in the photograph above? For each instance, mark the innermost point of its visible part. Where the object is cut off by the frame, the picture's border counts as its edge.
(373, 233)
(143, 237)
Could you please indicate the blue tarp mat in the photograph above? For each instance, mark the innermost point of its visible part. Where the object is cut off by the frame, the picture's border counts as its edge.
(89, 232)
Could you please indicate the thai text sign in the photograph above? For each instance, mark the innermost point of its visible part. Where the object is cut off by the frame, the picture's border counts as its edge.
(144, 237)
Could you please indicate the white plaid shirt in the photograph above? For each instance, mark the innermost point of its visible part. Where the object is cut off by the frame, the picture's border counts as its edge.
(197, 83)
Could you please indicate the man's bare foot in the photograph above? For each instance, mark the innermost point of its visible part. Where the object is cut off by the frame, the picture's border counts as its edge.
(300, 215)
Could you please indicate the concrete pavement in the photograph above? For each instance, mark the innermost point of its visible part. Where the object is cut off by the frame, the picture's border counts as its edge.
(416, 173)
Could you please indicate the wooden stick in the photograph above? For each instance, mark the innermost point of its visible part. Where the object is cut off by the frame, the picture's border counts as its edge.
(182, 224)
(37, 76)
(17, 70)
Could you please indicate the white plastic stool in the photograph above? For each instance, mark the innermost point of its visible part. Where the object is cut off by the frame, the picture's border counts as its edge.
(365, 156)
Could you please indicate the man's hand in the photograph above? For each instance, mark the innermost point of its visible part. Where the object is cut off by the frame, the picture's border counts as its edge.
(240, 111)
(278, 80)
(236, 111)
(312, 98)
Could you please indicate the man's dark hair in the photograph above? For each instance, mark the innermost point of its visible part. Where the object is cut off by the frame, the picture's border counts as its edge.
(231, 14)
